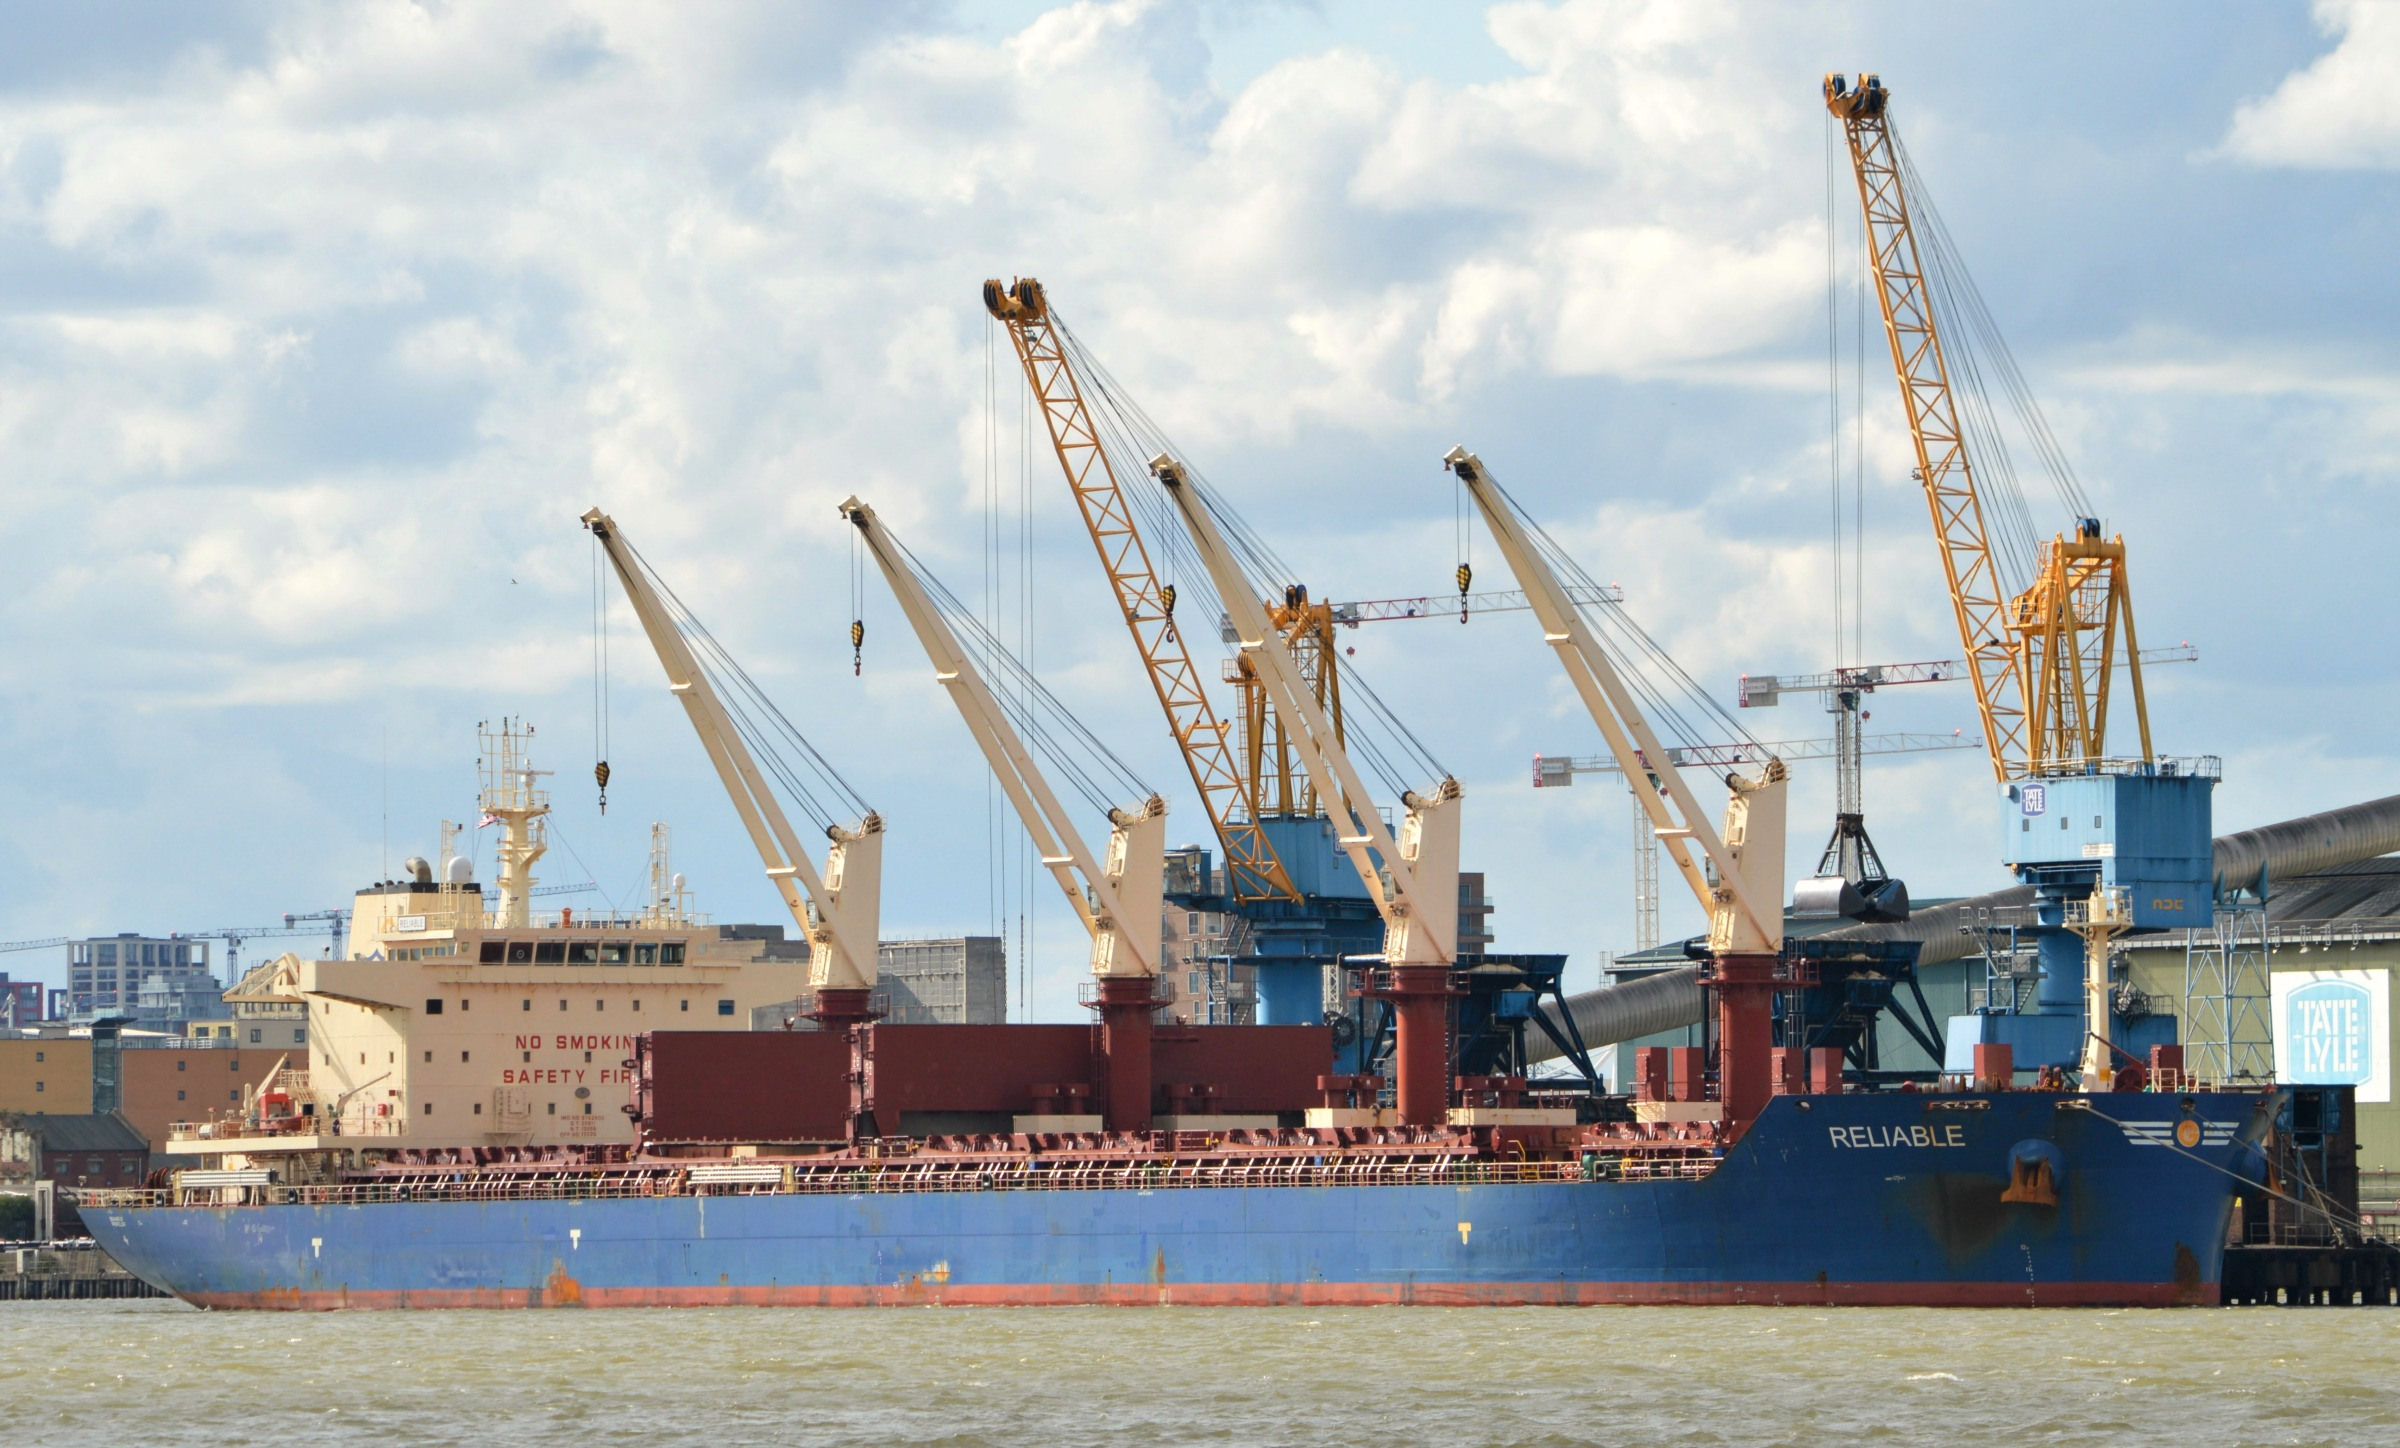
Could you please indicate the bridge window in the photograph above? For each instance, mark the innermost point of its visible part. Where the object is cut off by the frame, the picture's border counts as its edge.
(550, 952)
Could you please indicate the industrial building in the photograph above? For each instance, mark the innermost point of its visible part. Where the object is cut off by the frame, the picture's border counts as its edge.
(51, 1075)
(960, 981)
(2298, 989)
(84, 1149)
(956, 980)
(1200, 960)
(158, 982)
(21, 1003)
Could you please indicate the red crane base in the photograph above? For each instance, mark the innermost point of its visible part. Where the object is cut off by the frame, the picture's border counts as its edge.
(1127, 1004)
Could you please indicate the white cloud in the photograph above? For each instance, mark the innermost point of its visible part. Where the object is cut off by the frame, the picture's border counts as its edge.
(2343, 110)
(317, 345)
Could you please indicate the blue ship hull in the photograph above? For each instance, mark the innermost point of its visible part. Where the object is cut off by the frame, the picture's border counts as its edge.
(1884, 1199)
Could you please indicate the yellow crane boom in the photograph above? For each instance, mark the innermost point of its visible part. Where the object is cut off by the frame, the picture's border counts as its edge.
(2041, 661)
(1253, 871)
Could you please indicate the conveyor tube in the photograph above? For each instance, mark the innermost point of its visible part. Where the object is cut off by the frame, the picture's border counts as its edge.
(1673, 999)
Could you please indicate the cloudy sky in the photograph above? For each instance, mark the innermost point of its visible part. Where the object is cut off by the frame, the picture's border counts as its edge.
(322, 324)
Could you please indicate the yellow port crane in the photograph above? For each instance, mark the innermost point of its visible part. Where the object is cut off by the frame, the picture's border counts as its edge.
(1253, 870)
(2041, 661)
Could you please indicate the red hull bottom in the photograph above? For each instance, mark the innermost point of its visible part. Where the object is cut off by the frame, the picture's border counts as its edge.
(562, 1291)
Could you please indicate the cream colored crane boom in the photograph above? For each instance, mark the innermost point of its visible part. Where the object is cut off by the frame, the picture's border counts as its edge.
(842, 931)
(1745, 909)
(1416, 892)
(1121, 905)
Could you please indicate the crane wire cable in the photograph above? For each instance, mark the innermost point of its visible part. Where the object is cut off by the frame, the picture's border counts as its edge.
(1975, 347)
(1376, 735)
(761, 725)
(1673, 701)
(1037, 715)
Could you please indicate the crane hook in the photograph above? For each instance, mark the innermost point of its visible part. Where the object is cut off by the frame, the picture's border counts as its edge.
(600, 773)
(858, 637)
(1466, 575)
(1166, 599)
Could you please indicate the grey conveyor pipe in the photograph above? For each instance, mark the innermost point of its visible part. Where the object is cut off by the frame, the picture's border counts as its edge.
(1672, 999)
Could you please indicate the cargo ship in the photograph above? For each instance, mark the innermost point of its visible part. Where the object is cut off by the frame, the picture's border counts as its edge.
(1135, 1160)
(1982, 1198)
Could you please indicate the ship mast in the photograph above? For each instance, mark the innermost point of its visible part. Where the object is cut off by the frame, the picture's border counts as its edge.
(510, 800)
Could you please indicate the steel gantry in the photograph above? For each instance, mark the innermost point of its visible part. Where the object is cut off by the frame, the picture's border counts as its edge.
(2043, 661)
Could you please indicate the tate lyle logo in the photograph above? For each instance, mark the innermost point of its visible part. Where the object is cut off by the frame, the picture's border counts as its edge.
(2334, 1028)
(1947, 1134)
(2326, 1033)
(2033, 798)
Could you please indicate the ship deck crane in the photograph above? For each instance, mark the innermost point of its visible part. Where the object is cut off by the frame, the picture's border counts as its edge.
(2043, 660)
(1413, 879)
(837, 910)
(1118, 902)
(1737, 875)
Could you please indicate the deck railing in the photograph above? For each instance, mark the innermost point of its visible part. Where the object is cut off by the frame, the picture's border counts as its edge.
(850, 1178)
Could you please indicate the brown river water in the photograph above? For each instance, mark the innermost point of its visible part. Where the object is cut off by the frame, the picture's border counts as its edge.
(103, 1374)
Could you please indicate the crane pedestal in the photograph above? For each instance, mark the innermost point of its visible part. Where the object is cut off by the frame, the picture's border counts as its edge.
(1745, 987)
(1420, 997)
(840, 1008)
(1127, 1003)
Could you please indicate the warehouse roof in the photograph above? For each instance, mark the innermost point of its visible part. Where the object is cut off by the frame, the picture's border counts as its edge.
(2368, 890)
(1670, 955)
(109, 1132)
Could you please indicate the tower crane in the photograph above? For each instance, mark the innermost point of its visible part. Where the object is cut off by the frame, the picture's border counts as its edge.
(836, 910)
(1736, 875)
(1413, 879)
(1550, 770)
(1378, 610)
(1849, 859)
(1277, 786)
(2043, 659)
(1118, 902)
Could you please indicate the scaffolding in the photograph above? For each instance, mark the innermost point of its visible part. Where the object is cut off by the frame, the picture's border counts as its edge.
(2227, 1030)
(2005, 938)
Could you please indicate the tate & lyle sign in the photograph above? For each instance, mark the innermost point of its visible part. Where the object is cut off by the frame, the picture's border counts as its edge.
(2334, 1028)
